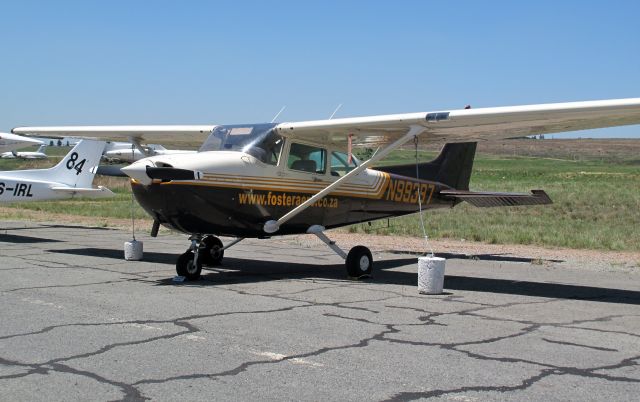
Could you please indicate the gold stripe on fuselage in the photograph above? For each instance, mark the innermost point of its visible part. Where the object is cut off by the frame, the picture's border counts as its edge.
(289, 185)
(293, 185)
(261, 180)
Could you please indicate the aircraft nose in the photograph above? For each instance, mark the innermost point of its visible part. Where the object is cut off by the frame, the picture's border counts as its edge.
(138, 172)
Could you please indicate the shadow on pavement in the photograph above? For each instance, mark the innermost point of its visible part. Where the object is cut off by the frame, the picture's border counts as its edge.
(542, 289)
(240, 270)
(158, 258)
(55, 226)
(481, 257)
(11, 238)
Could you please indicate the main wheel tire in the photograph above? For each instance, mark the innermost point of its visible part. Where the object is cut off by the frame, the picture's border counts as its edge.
(185, 266)
(359, 262)
(212, 253)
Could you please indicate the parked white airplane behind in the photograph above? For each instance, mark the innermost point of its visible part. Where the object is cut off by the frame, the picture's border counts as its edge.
(39, 154)
(124, 152)
(72, 176)
(10, 142)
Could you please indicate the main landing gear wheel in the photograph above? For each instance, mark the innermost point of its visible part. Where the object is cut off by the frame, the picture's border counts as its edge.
(359, 262)
(211, 254)
(187, 267)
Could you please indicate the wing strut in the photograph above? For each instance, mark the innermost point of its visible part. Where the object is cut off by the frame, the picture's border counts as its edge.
(272, 226)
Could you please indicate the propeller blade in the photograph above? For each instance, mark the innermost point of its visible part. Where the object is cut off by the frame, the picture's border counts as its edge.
(110, 170)
(169, 173)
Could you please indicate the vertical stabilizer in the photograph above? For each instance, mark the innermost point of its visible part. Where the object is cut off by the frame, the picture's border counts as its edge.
(78, 167)
(452, 167)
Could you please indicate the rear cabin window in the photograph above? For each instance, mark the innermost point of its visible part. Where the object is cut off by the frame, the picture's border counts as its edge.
(307, 158)
(340, 164)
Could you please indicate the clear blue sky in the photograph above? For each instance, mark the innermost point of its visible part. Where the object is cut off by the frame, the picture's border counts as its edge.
(205, 62)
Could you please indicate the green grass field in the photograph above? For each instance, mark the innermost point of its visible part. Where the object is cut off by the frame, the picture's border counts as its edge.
(596, 203)
(596, 206)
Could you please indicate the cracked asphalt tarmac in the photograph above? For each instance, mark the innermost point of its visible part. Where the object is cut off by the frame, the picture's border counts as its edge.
(278, 321)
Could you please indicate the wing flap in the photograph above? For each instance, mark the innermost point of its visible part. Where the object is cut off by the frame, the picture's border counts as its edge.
(492, 199)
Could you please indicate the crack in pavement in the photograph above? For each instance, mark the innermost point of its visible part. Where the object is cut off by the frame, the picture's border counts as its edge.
(130, 393)
(367, 309)
(580, 345)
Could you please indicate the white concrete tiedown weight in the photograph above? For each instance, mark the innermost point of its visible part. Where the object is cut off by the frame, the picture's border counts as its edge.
(133, 250)
(430, 275)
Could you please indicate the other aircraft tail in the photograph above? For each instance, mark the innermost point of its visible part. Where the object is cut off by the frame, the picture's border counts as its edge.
(78, 167)
(42, 148)
(452, 167)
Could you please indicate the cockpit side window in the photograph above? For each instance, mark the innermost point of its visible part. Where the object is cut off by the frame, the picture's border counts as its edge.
(340, 163)
(268, 150)
(307, 158)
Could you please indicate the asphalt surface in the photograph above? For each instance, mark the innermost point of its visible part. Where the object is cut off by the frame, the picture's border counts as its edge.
(279, 321)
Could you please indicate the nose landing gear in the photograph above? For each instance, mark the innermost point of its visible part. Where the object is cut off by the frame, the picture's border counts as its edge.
(204, 251)
(189, 264)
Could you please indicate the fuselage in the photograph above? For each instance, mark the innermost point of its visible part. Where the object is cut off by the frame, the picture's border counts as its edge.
(24, 155)
(14, 188)
(236, 193)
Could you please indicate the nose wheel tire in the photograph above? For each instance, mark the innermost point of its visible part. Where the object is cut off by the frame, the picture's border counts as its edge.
(185, 266)
(359, 262)
(212, 252)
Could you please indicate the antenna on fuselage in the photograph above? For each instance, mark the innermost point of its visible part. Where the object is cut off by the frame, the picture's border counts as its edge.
(335, 111)
(278, 114)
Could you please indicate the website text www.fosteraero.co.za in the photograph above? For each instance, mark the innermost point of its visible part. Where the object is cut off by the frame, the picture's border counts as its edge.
(283, 199)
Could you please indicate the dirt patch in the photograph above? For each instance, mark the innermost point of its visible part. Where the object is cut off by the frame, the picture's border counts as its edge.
(590, 259)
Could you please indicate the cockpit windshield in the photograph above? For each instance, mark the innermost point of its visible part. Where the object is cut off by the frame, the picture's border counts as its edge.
(258, 140)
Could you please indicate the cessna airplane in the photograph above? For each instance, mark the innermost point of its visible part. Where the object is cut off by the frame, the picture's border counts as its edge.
(39, 154)
(10, 142)
(72, 176)
(262, 180)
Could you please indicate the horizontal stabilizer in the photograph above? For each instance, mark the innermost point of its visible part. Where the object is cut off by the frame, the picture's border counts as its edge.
(488, 199)
(101, 191)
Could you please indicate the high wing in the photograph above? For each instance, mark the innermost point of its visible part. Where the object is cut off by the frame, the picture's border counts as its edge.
(462, 125)
(466, 125)
(169, 133)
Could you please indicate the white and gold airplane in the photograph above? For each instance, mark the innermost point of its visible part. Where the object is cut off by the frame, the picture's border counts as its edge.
(262, 180)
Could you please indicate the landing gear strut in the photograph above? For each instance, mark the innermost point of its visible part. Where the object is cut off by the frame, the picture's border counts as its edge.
(359, 261)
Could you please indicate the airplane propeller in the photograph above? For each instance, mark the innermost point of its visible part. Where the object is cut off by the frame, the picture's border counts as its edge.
(170, 173)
